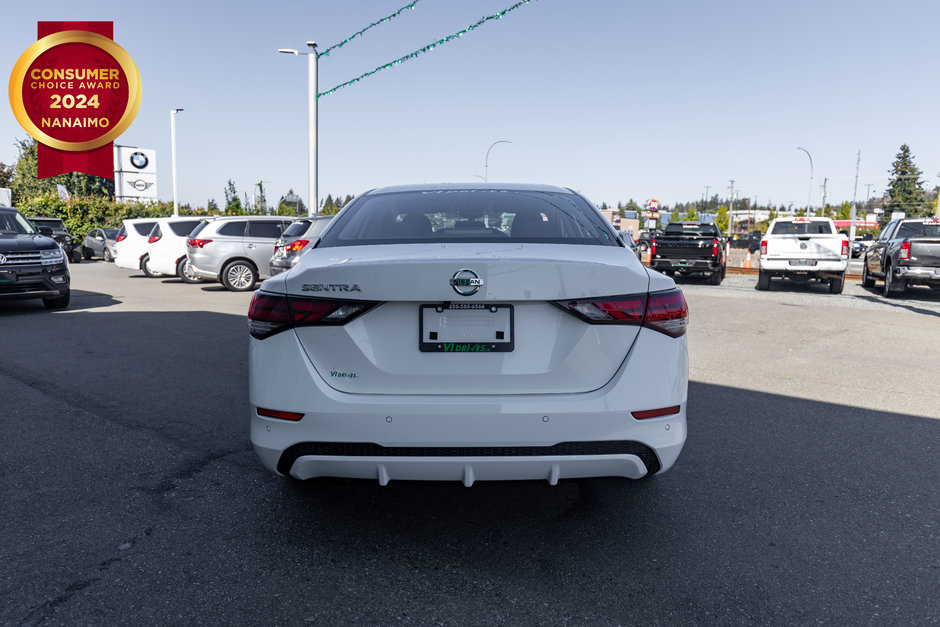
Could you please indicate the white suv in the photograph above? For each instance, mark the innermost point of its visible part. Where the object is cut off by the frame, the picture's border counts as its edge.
(167, 247)
(130, 245)
(235, 249)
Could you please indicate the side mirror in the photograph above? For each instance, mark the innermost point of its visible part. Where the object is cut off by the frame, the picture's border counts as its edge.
(99, 238)
(44, 230)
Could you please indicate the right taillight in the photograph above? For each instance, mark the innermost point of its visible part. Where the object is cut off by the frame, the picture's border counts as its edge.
(905, 252)
(120, 238)
(198, 243)
(269, 314)
(666, 311)
(153, 238)
(763, 247)
(296, 245)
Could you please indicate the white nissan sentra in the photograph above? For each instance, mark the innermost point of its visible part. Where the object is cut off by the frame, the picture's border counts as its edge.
(467, 333)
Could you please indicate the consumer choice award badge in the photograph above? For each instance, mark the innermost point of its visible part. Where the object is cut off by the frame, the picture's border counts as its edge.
(75, 91)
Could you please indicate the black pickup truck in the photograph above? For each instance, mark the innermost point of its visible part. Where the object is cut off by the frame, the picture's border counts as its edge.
(689, 247)
(32, 264)
(907, 252)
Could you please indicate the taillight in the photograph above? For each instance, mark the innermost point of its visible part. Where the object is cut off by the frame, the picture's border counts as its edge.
(198, 243)
(153, 238)
(666, 312)
(905, 252)
(120, 238)
(295, 246)
(273, 313)
(763, 247)
(653, 246)
(845, 248)
(715, 248)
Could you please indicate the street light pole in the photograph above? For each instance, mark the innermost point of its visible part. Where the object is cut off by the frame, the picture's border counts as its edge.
(314, 207)
(176, 204)
(809, 197)
(486, 162)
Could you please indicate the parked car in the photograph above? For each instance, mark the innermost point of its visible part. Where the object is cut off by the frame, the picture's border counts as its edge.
(99, 242)
(751, 242)
(907, 252)
(861, 244)
(131, 246)
(690, 247)
(32, 263)
(628, 240)
(441, 333)
(644, 238)
(61, 234)
(235, 250)
(296, 238)
(166, 248)
(802, 249)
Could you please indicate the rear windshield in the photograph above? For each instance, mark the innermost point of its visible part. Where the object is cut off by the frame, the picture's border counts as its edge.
(199, 228)
(919, 229)
(12, 223)
(143, 228)
(802, 228)
(296, 229)
(111, 233)
(470, 216)
(687, 228)
(183, 229)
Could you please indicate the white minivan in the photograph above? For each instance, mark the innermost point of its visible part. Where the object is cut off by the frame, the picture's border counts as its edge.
(130, 245)
(167, 247)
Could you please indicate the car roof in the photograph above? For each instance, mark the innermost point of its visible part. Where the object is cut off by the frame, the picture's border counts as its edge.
(426, 187)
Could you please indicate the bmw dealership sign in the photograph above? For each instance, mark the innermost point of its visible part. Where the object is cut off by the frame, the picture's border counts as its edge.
(135, 173)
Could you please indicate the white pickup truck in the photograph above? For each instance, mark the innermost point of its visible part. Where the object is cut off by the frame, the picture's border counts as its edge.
(802, 249)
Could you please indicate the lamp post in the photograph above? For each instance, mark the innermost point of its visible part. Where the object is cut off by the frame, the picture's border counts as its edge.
(176, 204)
(486, 162)
(809, 197)
(314, 207)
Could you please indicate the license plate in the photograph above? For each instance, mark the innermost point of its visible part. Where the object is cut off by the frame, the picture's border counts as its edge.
(466, 328)
(802, 262)
(7, 277)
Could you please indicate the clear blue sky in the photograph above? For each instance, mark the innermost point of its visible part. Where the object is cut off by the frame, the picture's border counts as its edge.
(616, 99)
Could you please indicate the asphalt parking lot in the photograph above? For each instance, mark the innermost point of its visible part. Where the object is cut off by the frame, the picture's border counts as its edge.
(806, 493)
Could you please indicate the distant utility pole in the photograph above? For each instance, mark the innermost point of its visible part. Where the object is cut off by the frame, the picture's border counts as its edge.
(825, 183)
(853, 213)
(707, 187)
(731, 209)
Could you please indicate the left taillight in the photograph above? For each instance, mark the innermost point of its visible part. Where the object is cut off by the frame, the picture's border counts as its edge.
(666, 311)
(153, 238)
(269, 314)
(905, 252)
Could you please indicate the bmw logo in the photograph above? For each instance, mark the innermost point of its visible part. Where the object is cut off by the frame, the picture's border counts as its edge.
(139, 160)
(466, 282)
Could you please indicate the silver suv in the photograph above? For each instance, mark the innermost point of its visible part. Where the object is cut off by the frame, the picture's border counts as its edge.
(235, 249)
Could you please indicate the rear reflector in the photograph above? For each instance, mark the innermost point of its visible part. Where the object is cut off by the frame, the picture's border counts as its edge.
(283, 415)
(666, 312)
(272, 313)
(656, 413)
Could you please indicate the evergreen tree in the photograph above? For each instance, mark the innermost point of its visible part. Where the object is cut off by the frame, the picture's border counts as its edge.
(6, 175)
(232, 204)
(212, 207)
(905, 189)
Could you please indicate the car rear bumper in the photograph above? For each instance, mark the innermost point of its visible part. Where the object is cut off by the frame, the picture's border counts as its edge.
(686, 265)
(465, 437)
(925, 273)
(795, 265)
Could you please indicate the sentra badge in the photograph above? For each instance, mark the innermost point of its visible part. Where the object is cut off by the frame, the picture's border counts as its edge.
(466, 282)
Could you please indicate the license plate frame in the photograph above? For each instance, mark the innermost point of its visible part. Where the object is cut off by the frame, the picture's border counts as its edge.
(803, 263)
(466, 328)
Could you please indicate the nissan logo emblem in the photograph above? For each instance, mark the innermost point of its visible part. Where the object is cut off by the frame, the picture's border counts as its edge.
(466, 282)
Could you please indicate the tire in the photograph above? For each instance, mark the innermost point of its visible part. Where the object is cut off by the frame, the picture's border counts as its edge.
(107, 255)
(239, 276)
(86, 253)
(763, 280)
(867, 281)
(836, 285)
(145, 267)
(184, 270)
(891, 288)
(716, 277)
(75, 256)
(58, 302)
